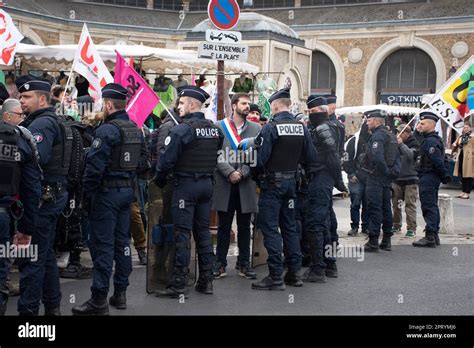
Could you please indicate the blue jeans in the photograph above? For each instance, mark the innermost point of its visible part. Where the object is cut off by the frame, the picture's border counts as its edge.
(225, 225)
(110, 238)
(379, 205)
(39, 279)
(276, 206)
(358, 199)
(428, 188)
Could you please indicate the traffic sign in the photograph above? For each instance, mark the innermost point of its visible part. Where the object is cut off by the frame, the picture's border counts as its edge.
(223, 51)
(224, 14)
(219, 36)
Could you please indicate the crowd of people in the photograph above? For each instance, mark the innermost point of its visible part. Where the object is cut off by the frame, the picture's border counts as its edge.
(75, 180)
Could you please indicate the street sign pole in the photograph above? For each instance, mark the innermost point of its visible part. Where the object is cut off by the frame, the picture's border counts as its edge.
(220, 90)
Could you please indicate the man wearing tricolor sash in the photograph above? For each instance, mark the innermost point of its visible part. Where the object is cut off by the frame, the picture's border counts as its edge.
(234, 190)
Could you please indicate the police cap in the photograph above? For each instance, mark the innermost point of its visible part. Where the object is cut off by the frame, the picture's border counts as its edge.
(193, 92)
(315, 100)
(282, 93)
(27, 83)
(114, 91)
(428, 115)
(331, 98)
(375, 113)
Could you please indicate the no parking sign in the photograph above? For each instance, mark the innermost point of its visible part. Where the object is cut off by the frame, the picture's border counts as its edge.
(224, 14)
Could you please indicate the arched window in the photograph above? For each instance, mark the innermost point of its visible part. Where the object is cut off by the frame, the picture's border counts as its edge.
(323, 74)
(406, 72)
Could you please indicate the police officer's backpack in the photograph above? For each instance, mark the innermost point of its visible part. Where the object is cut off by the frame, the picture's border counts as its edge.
(392, 155)
(76, 140)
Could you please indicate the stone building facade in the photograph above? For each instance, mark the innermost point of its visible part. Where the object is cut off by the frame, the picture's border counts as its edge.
(355, 41)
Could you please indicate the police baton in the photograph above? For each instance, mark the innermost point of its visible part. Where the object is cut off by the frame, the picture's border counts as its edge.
(169, 113)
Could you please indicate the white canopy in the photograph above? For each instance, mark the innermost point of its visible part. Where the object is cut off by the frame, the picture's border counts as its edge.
(391, 109)
(65, 54)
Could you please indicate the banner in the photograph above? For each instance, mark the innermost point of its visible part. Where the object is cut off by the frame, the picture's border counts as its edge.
(141, 100)
(89, 64)
(450, 102)
(10, 37)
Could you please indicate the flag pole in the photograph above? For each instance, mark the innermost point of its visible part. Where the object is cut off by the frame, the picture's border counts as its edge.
(68, 81)
(169, 112)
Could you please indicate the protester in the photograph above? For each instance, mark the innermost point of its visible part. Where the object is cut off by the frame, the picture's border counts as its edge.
(464, 167)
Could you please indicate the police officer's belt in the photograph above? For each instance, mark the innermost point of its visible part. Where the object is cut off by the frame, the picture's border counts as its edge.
(117, 183)
(193, 175)
(282, 175)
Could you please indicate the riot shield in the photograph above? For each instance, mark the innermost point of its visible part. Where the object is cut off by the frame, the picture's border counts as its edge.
(161, 245)
(259, 253)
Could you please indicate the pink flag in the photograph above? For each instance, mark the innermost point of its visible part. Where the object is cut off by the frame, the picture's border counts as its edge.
(141, 100)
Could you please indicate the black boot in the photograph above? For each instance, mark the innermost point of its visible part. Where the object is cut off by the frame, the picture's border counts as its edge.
(52, 312)
(118, 300)
(269, 283)
(314, 275)
(204, 283)
(177, 287)
(436, 237)
(331, 270)
(386, 243)
(96, 305)
(372, 245)
(428, 241)
(293, 279)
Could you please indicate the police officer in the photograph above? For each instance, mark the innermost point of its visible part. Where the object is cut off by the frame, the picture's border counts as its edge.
(383, 163)
(431, 172)
(111, 164)
(191, 153)
(285, 143)
(39, 280)
(23, 178)
(331, 100)
(326, 169)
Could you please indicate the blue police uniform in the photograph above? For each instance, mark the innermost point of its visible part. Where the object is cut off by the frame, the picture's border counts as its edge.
(39, 280)
(326, 169)
(382, 158)
(431, 172)
(190, 155)
(285, 143)
(111, 164)
(23, 178)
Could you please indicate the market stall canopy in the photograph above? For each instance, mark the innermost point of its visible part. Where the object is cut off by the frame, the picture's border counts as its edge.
(390, 109)
(64, 54)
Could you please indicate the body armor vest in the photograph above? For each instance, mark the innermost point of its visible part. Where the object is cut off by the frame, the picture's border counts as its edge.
(126, 155)
(58, 164)
(286, 153)
(423, 162)
(10, 170)
(200, 156)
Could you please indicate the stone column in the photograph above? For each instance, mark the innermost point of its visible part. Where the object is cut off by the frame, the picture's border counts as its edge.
(149, 4)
